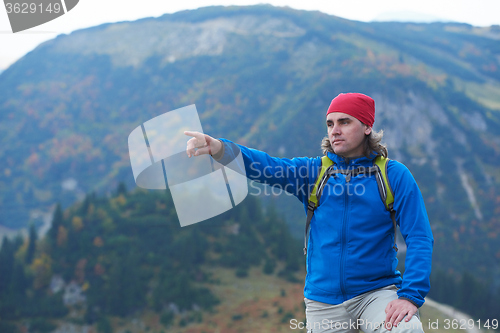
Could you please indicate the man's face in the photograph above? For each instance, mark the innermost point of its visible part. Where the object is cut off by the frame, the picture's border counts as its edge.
(346, 134)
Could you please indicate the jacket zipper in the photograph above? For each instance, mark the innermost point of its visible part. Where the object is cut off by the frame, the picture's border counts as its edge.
(344, 245)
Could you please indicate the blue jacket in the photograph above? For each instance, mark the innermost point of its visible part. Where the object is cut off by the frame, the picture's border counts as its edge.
(350, 243)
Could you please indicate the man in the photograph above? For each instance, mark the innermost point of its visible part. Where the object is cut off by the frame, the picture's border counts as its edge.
(351, 261)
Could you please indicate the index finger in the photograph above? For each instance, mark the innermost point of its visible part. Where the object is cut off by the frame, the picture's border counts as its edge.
(197, 135)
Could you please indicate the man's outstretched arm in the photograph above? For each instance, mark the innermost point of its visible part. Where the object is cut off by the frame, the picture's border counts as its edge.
(291, 175)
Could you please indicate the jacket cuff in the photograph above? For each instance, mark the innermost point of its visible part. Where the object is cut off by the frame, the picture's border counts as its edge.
(220, 153)
(411, 301)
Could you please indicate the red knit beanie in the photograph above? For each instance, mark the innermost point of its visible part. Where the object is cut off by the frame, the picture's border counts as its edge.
(359, 106)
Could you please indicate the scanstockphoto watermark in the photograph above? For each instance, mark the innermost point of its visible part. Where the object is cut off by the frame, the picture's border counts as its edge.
(295, 188)
(290, 171)
(299, 180)
(362, 324)
(26, 14)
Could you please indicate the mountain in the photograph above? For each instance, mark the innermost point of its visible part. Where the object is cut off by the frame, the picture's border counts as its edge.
(407, 16)
(264, 77)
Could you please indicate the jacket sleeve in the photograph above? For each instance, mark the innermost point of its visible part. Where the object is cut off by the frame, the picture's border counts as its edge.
(291, 175)
(413, 221)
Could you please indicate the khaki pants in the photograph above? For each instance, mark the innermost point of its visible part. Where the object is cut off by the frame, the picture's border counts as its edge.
(365, 312)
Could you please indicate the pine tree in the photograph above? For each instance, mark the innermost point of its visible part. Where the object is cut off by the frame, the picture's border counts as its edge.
(33, 237)
(57, 221)
(19, 281)
(6, 266)
(121, 189)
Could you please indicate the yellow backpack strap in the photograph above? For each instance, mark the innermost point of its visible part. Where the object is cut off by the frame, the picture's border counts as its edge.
(385, 190)
(326, 163)
(385, 187)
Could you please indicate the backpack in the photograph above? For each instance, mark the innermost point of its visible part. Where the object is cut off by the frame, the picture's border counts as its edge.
(379, 169)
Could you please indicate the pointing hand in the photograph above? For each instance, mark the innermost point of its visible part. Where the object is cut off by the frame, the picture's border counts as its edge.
(201, 144)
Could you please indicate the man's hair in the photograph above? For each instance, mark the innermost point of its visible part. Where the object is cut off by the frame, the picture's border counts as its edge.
(371, 144)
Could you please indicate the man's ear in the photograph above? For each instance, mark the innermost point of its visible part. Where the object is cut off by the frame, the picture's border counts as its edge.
(368, 130)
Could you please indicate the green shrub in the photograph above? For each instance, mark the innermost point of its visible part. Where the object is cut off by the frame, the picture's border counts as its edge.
(287, 317)
(167, 318)
(237, 316)
(41, 325)
(104, 326)
(269, 266)
(241, 272)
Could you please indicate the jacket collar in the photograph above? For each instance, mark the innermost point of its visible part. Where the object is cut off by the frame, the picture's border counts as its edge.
(344, 163)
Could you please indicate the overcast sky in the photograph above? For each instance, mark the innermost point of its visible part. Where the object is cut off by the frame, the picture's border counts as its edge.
(94, 12)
